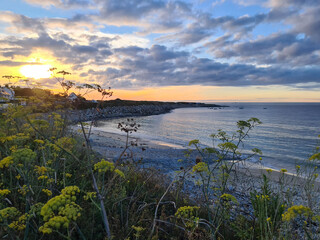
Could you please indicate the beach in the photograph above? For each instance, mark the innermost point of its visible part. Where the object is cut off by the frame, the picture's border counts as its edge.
(245, 178)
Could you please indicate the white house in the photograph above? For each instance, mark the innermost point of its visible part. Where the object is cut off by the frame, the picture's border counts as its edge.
(73, 96)
(6, 94)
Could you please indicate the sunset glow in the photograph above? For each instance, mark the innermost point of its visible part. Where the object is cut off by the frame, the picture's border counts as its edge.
(168, 50)
(36, 71)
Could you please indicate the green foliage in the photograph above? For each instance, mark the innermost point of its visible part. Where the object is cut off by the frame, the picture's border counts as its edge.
(54, 186)
(47, 177)
(268, 210)
(213, 169)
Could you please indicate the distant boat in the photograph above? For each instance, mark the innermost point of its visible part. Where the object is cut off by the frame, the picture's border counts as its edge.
(241, 107)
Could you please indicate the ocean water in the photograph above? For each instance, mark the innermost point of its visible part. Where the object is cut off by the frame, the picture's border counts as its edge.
(287, 136)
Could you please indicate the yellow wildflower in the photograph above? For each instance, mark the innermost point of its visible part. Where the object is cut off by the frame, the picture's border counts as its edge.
(228, 197)
(47, 191)
(187, 212)
(6, 162)
(104, 166)
(43, 177)
(39, 141)
(89, 195)
(19, 225)
(4, 192)
(61, 210)
(294, 211)
(200, 167)
(68, 175)
(23, 190)
(120, 173)
(40, 170)
(8, 213)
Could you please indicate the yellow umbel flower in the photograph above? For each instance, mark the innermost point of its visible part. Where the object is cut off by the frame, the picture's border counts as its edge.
(39, 141)
(43, 177)
(47, 191)
(187, 212)
(89, 195)
(120, 173)
(295, 211)
(20, 225)
(24, 156)
(189, 216)
(4, 192)
(23, 190)
(200, 167)
(61, 210)
(40, 170)
(54, 223)
(6, 162)
(8, 213)
(228, 197)
(269, 170)
(104, 166)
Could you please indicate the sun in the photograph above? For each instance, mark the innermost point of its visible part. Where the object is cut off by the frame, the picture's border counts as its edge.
(36, 71)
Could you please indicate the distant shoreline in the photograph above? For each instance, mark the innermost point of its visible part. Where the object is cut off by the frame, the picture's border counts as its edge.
(123, 108)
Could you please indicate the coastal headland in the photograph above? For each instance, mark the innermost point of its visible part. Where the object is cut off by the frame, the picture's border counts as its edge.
(126, 108)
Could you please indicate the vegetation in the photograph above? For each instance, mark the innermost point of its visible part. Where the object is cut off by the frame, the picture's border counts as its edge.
(54, 186)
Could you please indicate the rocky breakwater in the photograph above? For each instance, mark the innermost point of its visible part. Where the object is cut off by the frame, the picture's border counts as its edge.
(128, 111)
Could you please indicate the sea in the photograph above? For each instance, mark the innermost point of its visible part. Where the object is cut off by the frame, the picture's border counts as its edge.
(287, 136)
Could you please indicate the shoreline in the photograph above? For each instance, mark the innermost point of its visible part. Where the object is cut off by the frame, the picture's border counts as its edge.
(111, 112)
(244, 179)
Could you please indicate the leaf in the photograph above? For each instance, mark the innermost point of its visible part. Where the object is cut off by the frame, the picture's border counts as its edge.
(194, 142)
(257, 151)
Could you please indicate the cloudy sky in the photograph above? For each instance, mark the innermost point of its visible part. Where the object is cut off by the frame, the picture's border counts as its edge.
(214, 50)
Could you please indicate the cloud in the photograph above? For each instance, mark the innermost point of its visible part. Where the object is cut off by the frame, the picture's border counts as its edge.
(21, 23)
(150, 16)
(205, 26)
(160, 66)
(290, 3)
(60, 3)
(288, 55)
(76, 54)
(280, 48)
(307, 22)
(14, 63)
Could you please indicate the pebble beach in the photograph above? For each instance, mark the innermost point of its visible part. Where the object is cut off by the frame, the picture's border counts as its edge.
(167, 160)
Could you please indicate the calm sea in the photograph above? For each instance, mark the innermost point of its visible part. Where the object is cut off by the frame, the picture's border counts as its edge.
(287, 137)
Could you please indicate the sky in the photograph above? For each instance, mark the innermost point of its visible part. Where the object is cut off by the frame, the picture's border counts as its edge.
(200, 50)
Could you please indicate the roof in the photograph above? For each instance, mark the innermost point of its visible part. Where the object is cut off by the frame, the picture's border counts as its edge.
(6, 94)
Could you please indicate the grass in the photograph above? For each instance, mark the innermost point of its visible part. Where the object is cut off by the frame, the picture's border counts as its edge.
(54, 186)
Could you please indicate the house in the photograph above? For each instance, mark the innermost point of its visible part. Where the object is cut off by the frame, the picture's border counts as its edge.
(6, 94)
(73, 96)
